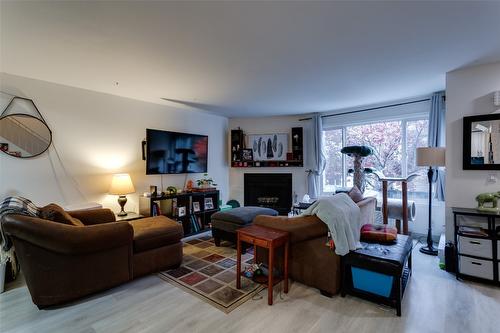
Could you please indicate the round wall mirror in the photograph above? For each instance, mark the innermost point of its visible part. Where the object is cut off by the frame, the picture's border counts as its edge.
(23, 135)
(23, 131)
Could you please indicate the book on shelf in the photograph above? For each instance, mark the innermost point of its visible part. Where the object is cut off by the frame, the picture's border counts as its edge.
(194, 224)
(473, 231)
(198, 220)
(174, 206)
(156, 209)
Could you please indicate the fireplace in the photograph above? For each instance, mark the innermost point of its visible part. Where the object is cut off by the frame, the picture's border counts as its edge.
(272, 190)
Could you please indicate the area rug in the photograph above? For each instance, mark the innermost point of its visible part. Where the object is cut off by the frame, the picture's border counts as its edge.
(209, 272)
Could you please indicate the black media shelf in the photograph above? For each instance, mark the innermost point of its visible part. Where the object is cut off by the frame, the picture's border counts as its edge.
(168, 205)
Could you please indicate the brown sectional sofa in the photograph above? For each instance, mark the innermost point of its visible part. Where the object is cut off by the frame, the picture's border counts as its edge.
(311, 262)
(65, 261)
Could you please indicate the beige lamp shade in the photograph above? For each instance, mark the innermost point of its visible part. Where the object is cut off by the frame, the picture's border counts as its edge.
(431, 156)
(121, 184)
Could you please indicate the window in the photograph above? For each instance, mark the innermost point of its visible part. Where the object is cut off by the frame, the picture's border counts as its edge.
(334, 173)
(394, 143)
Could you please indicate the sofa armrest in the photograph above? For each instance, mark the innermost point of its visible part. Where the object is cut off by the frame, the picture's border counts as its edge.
(67, 239)
(301, 228)
(367, 208)
(94, 216)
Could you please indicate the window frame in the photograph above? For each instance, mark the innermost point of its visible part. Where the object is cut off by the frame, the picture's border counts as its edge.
(404, 158)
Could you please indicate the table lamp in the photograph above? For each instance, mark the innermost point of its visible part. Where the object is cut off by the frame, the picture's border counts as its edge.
(121, 185)
(430, 157)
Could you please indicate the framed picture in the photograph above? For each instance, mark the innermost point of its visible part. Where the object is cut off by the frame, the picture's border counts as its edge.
(209, 204)
(268, 147)
(181, 211)
(196, 206)
(246, 155)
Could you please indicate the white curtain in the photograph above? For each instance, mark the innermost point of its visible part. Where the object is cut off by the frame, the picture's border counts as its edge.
(318, 158)
(436, 138)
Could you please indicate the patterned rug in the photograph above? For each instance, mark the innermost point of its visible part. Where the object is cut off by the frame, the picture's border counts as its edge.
(209, 272)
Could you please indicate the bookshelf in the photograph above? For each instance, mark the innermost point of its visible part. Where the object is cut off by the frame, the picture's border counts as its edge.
(192, 210)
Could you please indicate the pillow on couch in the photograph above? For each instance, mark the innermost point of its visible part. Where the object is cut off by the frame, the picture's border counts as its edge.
(56, 213)
(355, 194)
(379, 233)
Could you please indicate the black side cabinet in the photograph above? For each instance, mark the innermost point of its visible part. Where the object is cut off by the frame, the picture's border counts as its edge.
(477, 241)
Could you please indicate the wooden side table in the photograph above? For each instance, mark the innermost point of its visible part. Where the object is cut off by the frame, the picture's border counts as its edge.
(269, 239)
(129, 217)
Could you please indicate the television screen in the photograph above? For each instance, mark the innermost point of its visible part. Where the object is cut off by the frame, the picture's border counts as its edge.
(172, 152)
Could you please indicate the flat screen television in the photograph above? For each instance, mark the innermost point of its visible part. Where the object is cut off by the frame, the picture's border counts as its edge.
(173, 152)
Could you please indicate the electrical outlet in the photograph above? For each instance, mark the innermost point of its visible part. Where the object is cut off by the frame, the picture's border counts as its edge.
(492, 178)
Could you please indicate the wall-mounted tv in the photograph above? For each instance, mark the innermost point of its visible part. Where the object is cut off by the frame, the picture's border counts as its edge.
(172, 152)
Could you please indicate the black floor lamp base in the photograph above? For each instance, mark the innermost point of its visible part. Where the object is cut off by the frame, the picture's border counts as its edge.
(429, 250)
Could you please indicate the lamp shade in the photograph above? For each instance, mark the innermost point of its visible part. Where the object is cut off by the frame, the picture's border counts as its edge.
(121, 184)
(431, 156)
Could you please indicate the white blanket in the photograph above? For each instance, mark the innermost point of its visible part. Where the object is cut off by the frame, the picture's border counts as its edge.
(343, 218)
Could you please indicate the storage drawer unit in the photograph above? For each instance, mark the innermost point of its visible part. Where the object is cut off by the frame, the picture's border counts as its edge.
(476, 267)
(477, 257)
(478, 247)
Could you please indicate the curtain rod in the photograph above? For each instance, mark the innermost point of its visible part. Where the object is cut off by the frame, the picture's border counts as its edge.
(369, 109)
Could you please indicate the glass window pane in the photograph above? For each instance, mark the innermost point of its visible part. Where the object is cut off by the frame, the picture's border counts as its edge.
(333, 171)
(416, 136)
(386, 140)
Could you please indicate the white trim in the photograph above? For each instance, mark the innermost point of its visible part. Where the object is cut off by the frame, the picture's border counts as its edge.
(389, 113)
(404, 118)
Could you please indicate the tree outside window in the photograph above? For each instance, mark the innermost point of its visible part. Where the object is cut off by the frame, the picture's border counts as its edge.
(394, 144)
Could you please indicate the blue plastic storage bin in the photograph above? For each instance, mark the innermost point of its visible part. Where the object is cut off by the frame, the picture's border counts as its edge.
(373, 282)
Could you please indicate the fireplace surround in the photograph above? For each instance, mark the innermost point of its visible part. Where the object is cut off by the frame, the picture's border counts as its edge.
(271, 190)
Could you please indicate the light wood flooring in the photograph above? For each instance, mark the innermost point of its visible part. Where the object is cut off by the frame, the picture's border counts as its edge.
(434, 302)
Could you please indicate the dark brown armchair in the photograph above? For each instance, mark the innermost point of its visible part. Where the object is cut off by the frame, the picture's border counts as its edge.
(63, 262)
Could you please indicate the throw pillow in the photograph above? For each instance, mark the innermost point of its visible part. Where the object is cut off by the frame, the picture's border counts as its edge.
(355, 194)
(56, 213)
(379, 233)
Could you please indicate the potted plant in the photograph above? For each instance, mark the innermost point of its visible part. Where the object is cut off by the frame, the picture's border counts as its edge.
(205, 182)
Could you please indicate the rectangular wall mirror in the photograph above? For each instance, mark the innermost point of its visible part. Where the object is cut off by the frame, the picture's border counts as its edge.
(481, 142)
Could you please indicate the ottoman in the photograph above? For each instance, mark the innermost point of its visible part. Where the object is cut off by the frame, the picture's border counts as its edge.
(225, 224)
(378, 272)
(157, 244)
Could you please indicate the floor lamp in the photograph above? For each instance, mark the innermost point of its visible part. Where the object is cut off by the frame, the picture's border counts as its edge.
(430, 157)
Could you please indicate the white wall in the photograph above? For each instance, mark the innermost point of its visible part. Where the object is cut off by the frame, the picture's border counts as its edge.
(269, 125)
(97, 135)
(469, 92)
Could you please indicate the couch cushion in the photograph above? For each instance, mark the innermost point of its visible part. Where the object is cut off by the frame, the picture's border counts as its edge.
(301, 228)
(380, 233)
(355, 194)
(154, 232)
(243, 215)
(56, 213)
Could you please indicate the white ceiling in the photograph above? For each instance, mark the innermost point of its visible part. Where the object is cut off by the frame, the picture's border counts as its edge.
(249, 58)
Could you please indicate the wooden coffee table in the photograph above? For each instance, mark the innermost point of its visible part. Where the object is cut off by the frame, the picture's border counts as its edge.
(269, 239)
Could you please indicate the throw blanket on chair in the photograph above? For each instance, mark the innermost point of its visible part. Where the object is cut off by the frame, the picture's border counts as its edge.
(343, 218)
(15, 205)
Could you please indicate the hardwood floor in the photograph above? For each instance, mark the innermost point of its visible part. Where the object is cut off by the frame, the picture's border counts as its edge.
(433, 302)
